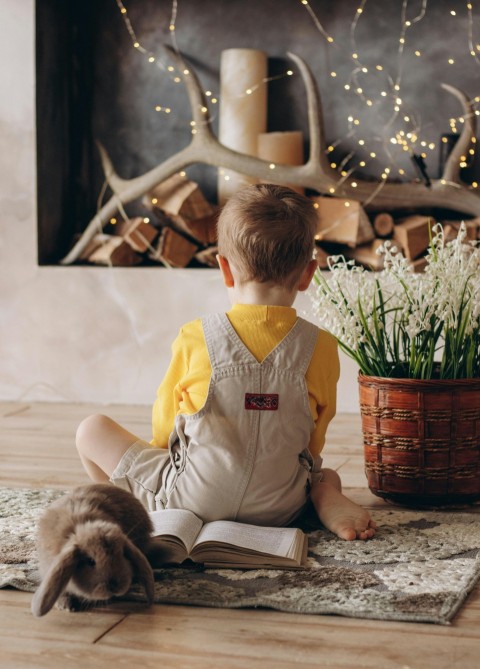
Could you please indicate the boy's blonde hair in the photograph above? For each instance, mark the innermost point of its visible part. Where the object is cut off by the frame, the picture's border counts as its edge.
(268, 232)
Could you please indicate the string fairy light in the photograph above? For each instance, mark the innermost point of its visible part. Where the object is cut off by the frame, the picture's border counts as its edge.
(472, 49)
(265, 80)
(402, 126)
(152, 58)
(135, 41)
(409, 139)
(360, 69)
(317, 22)
(173, 25)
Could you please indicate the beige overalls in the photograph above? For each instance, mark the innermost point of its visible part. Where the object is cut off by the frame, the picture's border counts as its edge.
(244, 455)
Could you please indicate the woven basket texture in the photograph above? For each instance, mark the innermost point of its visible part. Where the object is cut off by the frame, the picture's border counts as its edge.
(422, 439)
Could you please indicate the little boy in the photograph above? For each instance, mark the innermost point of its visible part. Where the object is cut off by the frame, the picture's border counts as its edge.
(240, 418)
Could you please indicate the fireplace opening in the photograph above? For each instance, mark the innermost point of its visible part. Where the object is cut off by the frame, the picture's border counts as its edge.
(93, 85)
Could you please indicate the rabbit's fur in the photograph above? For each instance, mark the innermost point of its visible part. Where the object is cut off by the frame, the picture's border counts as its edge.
(91, 545)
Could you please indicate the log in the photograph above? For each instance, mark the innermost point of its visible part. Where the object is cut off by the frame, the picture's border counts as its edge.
(137, 232)
(476, 221)
(204, 229)
(180, 196)
(173, 249)
(208, 256)
(342, 221)
(383, 224)
(451, 228)
(419, 264)
(413, 235)
(321, 257)
(113, 251)
(366, 255)
(93, 245)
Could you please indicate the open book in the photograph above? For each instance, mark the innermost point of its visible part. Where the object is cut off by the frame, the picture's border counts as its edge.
(179, 535)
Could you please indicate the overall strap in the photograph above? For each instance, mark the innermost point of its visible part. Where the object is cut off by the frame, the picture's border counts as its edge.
(225, 348)
(296, 348)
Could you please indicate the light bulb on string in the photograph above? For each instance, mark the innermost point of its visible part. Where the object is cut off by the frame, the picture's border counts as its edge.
(317, 22)
(473, 51)
(172, 26)
(152, 58)
(266, 80)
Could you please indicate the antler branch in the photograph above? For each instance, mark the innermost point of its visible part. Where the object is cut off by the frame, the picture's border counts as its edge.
(316, 174)
(451, 170)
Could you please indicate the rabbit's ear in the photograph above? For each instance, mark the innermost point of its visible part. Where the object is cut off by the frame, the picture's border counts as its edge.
(141, 568)
(55, 581)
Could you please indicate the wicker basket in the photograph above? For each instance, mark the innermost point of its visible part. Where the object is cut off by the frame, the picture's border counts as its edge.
(422, 440)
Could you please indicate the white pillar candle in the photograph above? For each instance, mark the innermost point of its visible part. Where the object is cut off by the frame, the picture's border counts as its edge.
(282, 148)
(243, 110)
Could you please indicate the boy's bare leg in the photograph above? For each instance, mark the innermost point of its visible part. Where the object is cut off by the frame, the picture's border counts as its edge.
(339, 514)
(101, 443)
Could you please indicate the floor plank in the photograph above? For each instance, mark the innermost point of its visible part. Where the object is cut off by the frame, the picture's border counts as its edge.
(17, 622)
(259, 635)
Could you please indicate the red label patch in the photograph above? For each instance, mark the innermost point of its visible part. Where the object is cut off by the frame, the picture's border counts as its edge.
(261, 401)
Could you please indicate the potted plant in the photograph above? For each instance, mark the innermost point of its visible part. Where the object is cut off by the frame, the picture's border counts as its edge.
(416, 340)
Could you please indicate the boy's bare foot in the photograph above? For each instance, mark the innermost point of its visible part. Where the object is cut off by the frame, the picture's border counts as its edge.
(340, 515)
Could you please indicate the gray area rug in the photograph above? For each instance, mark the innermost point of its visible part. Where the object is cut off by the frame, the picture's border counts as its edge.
(420, 567)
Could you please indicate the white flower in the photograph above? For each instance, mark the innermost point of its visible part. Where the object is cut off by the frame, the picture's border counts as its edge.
(396, 321)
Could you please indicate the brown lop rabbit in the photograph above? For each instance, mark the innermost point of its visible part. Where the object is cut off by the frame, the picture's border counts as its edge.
(91, 545)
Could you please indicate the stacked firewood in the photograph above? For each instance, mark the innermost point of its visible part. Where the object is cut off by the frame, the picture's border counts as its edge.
(344, 228)
(180, 231)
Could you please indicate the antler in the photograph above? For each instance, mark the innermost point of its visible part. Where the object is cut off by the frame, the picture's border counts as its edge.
(316, 174)
(451, 171)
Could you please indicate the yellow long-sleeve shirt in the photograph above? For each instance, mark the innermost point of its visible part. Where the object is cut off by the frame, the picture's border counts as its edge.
(184, 388)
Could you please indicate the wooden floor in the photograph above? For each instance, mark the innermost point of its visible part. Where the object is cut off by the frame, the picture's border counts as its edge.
(37, 449)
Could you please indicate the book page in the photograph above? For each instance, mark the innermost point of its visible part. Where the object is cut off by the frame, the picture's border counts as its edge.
(281, 541)
(180, 523)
